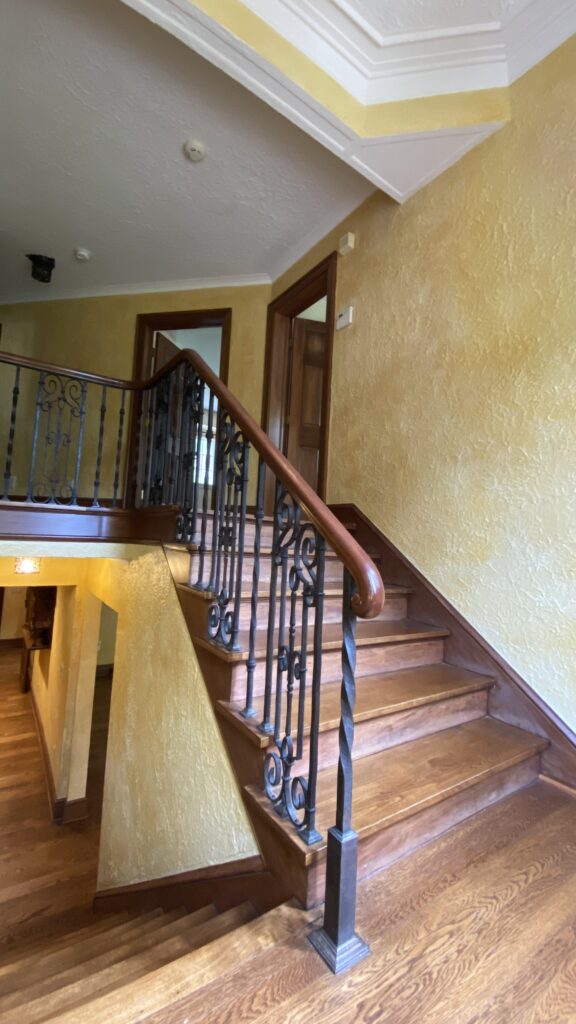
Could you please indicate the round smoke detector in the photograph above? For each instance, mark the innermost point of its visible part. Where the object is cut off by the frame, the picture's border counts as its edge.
(194, 150)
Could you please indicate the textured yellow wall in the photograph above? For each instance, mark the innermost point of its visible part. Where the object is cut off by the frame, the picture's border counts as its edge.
(454, 392)
(97, 334)
(171, 802)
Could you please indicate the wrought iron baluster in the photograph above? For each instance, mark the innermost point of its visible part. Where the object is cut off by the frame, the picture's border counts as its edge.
(95, 502)
(158, 469)
(199, 413)
(37, 414)
(82, 420)
(150, 422)
(242, 461)
(119, 449)
(224, 617)
(202, 547)
(337, 941)
(214, 581)
(266, 724)
(56, 438)
(249, 711)
(295, 798)
(10, 445)
(132, 494)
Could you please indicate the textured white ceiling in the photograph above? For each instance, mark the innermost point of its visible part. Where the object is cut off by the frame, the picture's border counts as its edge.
(95, 104)
(396, 17)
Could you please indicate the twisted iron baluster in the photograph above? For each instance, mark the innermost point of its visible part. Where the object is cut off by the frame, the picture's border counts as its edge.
(119, 449)
(134, 492)
(214, 581)
(337, 941)
(266, 725)
(37, 413)
(242, 484)
(76, 481)
(95, 502)
(209, 437)
(199, 416)
(10, 445)
(150, 421)
(249, 711)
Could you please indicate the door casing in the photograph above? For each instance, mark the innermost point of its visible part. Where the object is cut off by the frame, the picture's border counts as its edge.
(319, 281)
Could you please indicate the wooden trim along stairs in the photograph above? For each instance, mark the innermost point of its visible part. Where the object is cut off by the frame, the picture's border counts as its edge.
(440, 731)
(512, 699)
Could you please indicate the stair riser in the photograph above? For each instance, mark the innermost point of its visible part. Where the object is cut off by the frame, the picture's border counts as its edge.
(381, 849)
(369, 659)
(370, 736)
(196, 609)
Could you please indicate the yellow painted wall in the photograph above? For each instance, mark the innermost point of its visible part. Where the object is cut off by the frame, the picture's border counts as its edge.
(13, 613)
(107, 638)
(453, 421)
(97, 334)
(171, 802)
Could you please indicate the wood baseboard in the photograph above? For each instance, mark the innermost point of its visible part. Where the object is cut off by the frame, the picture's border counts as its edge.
(226, 885)
(62, 811)
(512, 699)
(15, 642)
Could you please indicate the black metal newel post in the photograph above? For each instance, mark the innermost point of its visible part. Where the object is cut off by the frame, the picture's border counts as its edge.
(337, 941)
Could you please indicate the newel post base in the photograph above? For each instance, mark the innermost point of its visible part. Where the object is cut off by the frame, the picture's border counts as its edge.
(337, 941)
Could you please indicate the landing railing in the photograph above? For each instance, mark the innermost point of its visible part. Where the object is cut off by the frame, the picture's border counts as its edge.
(192, 445)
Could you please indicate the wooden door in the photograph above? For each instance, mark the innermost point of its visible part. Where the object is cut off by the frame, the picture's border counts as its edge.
(303, 425)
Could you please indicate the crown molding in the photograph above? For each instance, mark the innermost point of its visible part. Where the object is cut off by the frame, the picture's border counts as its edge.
(377, 68)
(149, 287)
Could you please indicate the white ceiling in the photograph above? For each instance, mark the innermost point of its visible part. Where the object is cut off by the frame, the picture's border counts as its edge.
(386, 50)
(95, 104)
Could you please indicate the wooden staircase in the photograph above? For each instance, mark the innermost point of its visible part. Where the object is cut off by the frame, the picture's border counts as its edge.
(427, 754)
(45, 980)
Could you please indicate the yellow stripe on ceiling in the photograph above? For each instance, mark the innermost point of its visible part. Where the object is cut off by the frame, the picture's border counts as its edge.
(428, 113)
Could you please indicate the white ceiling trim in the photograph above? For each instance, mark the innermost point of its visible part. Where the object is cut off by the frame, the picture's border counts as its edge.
(448, 147)
(212, 41)
(204, 283)
(376, 68)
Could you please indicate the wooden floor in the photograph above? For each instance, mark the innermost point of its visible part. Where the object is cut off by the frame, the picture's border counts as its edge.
(479, 927)
(47, 872)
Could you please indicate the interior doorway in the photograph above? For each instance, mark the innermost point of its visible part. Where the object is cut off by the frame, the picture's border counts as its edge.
(160, 336)
(298, 367)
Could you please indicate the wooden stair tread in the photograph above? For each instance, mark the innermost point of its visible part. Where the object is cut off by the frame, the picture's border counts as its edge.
(19, 952)
(369, 632)
(137, 999)
(131, 969)
(55, 976)
(376, 696)
(75, 946)
(396, 783)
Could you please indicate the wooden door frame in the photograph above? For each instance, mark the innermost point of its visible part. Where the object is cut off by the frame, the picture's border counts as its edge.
(148, 323)
(319, 281)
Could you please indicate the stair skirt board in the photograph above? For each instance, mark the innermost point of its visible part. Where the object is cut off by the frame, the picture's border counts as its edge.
(225, 885)
(512, 699)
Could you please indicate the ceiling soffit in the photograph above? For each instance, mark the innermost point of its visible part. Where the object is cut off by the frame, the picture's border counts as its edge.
(399, 100)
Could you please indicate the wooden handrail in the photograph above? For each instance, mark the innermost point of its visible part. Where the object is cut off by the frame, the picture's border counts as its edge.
(369, 596)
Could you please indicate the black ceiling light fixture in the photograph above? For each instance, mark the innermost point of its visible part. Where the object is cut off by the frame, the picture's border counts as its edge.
(42, 267)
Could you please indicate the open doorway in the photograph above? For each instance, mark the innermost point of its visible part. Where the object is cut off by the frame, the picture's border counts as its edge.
(160, 336)
(101, 712)
(297, 374)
